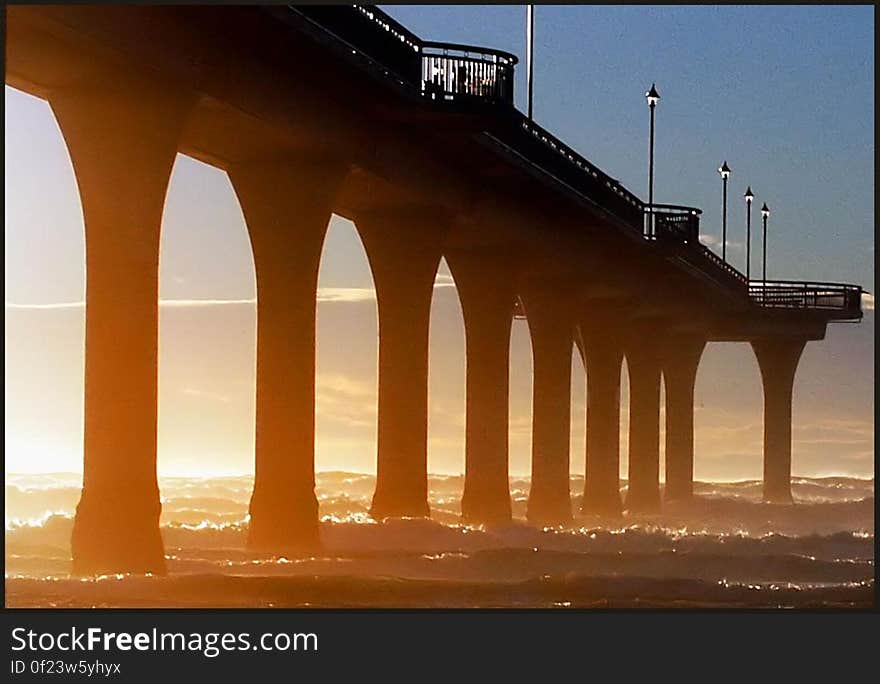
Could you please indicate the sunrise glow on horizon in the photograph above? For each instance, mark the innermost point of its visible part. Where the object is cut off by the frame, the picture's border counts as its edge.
(207, 319)
(546, 308)
(206, 403)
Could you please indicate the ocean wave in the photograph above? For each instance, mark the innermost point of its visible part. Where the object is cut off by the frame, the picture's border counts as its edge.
(340, 493)
(738, 550)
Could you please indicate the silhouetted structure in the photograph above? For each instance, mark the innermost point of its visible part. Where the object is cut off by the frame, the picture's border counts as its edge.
(316, 110)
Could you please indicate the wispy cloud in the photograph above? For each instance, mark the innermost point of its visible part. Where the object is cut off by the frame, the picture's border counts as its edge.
(344, 386)
(344, 400)
(169, 303)
(50, 306)
(830, 431)
(346, 294)
(520, 426)
(188, 303)
(713, 241)
(710, 240)
(204, 394)
(325, 294)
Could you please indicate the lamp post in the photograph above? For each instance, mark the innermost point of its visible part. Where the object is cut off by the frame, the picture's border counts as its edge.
(765, 214)
(749, 196)
(530, 53)
(652, 97)
(724, 170)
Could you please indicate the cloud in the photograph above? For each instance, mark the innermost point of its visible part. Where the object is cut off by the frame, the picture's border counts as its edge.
(169, 303)
(344, 386)
(188, 303)
(714, 241)
(845, 434)
(345, 400)
(40, 307)
(346, 294)
(446, 413)
(710, 240)
(861, 428)
(203, 394)
(520, 426)
(325, 294)
(728, 436)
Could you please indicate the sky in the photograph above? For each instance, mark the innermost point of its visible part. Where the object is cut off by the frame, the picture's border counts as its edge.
(783, 94)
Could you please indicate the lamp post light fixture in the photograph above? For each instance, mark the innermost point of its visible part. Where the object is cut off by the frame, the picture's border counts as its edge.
(749, 197)
(765, 214)
(652, 97)
(724, 170)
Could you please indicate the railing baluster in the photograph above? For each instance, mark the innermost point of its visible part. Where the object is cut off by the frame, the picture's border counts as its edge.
(470, 72)
(845, 299)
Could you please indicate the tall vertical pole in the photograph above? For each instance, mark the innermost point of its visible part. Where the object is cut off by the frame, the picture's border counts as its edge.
(724, 220)
(651, 176)
(530, 52)
(764, 269)
(724, 172)
(749, 197)
(652, 97)
(748, 236)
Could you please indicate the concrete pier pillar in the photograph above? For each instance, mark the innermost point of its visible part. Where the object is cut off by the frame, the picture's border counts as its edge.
(602, 352)
(778, 360)
(404, 250)
(681, 358)
(485, 284)
(122, 135)
(549, 315)
(643, 363)
(287, 206)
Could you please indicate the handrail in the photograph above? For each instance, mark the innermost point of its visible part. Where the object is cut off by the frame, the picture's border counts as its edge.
(724, 266)
(500, 91)
(808, 283)
(371, 33)
(791, 294)
(589, 174)
(672, 221)
(455, 71)
(390, 24)
(674, 208)
(451, 71)
(679, 223)
(466, 50)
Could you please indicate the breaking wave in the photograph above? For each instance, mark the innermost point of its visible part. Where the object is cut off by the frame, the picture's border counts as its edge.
(726, 548)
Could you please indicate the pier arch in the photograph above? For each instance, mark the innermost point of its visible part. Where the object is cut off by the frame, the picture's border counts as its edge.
(207, 327)
(45, 327)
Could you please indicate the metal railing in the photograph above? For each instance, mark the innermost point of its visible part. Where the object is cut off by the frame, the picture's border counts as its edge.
(586, 178)
(371, 32)
(672, 222)
(680, 225)
(721, 264)
(451, 71)
(788, 294)
(385, 22)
